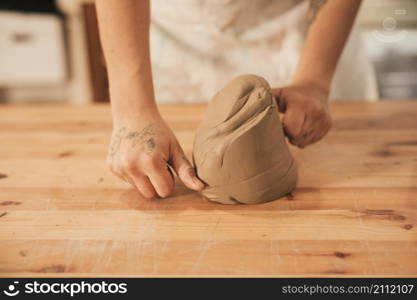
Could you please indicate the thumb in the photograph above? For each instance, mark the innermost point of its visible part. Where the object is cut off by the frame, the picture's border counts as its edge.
(185, 170)
(280, 99)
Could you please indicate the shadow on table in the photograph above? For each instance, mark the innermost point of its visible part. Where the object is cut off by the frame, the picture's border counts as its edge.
(184, 199)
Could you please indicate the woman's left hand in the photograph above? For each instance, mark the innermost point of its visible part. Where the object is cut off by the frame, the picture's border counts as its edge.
(306, 112)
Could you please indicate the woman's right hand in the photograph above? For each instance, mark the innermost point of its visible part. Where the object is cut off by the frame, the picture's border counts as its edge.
(141, 152)
(142, 146)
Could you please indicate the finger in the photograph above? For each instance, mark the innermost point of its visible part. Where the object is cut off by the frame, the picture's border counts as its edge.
(316, 138)
(308, 140)
(293, 122)
(122, 175)
(171, 172)
(145, 187)
(319, 136)
(162, 181)
(185, 170)
(314, 129)
(308, 131)
(282, 105)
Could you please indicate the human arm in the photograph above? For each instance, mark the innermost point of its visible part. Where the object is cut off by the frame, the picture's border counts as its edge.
(305, 101)
(142, 144)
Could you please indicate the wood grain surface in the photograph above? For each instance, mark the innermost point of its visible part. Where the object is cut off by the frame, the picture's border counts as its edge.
(62, 213)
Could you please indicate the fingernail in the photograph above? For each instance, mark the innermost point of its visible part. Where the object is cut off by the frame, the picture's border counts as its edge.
(198, 184)
(193, 179)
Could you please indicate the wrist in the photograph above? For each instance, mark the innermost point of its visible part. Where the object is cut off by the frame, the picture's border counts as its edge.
(132, 113)
(314, 77)
(318, 84)
(132, 98)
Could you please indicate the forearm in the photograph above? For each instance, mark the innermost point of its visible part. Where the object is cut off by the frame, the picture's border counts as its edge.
(124, 31)
(330, 23)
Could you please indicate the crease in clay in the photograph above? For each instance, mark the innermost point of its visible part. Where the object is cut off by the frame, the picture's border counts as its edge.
(261, 174)
(252, 122)
(240, 151)
(241, 116)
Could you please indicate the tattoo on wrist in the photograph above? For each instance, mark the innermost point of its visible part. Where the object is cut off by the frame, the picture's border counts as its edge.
(150, 145)
(145, 137)
(313, 10)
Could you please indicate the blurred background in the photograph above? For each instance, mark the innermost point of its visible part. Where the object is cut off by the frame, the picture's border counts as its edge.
(50, 50)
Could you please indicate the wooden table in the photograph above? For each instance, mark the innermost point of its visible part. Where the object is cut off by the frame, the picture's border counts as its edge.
(63, 213)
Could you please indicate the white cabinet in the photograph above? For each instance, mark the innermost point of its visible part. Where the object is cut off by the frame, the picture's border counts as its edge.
(31, 50)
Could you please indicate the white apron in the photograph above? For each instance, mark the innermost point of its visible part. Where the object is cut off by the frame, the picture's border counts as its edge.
(197, 46)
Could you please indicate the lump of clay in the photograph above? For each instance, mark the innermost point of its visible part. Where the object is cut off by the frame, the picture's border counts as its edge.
(240, 152)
